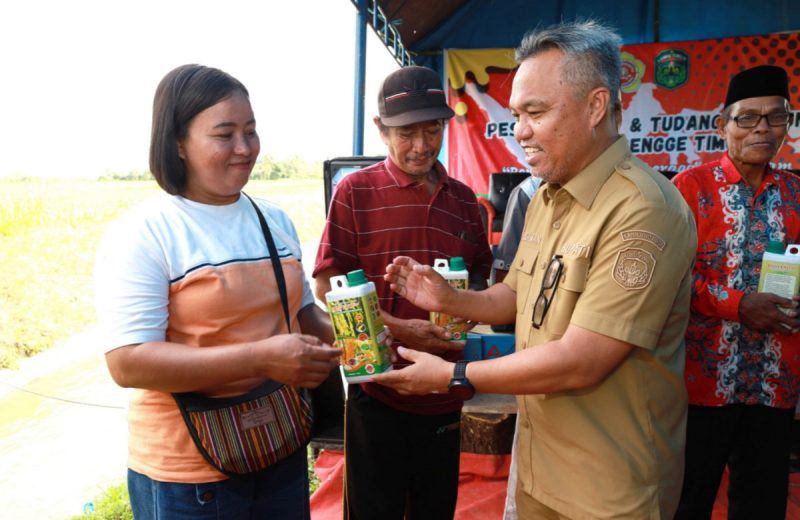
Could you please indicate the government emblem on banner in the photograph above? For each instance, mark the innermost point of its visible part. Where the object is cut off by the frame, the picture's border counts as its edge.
(671, 68)
(632, 72)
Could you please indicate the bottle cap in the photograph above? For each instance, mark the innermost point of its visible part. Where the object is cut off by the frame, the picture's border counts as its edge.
(775, 247)
(457, 264)
(356, 277)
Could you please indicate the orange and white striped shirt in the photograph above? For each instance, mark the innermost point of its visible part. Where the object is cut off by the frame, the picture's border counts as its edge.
(180, 271)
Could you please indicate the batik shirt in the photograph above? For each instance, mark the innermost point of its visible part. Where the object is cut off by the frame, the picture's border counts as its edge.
(726, 361)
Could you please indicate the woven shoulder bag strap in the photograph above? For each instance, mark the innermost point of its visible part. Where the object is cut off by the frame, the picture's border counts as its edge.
(276, 261)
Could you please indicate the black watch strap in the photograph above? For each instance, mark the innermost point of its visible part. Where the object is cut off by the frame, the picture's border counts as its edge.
(460, 370)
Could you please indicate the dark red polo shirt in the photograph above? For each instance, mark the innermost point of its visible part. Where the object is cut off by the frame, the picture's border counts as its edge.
(379, 213)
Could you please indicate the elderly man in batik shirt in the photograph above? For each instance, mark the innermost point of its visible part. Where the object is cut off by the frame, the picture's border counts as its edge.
(742, 359)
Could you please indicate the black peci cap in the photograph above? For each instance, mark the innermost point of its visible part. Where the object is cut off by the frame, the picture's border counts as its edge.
(412, 95)
(764, 80)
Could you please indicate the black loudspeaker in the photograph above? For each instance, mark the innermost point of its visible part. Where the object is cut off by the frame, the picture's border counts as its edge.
(336, 169)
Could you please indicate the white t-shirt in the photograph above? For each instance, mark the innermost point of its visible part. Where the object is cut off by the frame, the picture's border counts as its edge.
(165, 241)
(196, 274)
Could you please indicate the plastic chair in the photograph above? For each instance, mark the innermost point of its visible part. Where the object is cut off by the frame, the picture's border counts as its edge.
(494, 207)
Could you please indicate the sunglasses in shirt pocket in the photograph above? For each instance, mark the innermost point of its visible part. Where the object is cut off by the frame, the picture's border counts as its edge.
(570, 288)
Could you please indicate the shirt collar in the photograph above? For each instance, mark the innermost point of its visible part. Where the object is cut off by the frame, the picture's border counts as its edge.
(585, 186)
(733, 176)
(404, 180)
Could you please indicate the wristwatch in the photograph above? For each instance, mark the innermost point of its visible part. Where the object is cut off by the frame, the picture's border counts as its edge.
(459, 386)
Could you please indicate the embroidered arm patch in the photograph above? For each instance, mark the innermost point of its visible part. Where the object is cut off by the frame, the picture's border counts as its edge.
(633, 268)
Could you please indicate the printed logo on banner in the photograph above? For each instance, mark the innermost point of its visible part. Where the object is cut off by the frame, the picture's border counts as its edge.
(672, 68)
(632, 72)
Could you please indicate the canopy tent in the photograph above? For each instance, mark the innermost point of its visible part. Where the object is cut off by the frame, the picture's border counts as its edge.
(418, 31)
(423, 28)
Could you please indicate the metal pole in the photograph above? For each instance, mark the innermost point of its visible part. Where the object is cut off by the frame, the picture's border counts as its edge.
(360, 75)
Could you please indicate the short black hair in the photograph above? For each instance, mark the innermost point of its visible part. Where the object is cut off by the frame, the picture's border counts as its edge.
(182, 94)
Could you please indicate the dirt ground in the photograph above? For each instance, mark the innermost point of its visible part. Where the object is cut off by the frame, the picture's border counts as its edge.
(63, 432)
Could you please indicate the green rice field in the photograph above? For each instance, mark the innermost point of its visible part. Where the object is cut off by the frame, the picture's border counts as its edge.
(49, 230)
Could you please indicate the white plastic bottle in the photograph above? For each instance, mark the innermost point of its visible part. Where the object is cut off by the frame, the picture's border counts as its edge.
(358, 326)
(780, 270)
(457, 276)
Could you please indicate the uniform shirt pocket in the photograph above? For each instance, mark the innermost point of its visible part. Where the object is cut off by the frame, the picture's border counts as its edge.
(569, 289)
(523, 265)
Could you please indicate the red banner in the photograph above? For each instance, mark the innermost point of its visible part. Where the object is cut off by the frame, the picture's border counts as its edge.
(672, 95)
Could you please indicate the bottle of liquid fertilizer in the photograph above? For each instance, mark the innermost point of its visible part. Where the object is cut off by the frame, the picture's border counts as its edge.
(358, 326)
(780, 270)
(457, 276)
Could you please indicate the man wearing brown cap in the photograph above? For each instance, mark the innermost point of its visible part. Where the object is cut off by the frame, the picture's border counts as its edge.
(742, 352)
(401, 451)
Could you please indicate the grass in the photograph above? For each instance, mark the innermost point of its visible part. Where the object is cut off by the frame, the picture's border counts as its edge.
(49, 231)
(302, 199)
(114, 503)
(313, 480)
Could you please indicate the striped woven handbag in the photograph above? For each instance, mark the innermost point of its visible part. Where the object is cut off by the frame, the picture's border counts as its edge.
(245, 434)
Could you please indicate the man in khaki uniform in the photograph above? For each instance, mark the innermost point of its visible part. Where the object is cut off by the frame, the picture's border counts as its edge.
(600, 290)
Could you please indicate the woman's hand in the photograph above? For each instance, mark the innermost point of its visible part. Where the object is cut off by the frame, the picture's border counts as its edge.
(295, 359)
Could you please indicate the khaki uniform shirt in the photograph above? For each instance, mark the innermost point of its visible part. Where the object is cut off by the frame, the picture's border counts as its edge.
(627, 241)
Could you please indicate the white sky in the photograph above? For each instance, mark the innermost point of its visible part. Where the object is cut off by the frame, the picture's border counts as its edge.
(78, 76)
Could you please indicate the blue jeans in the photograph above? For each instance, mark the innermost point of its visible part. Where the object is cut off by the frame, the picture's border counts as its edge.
(281, 492)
